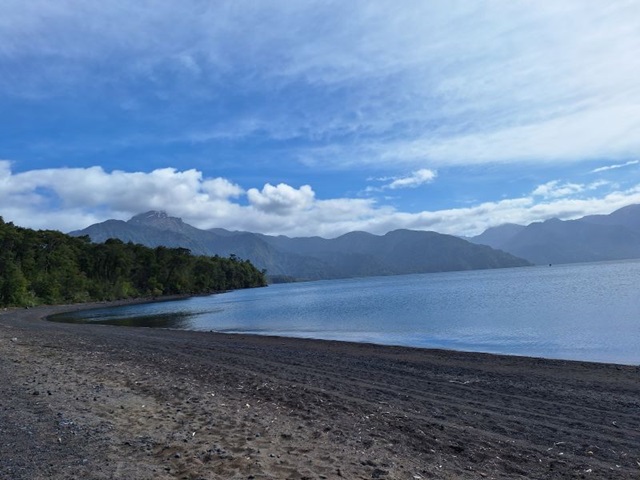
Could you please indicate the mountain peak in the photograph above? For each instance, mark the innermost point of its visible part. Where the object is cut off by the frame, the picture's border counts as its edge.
(157, 219)
(150, 215)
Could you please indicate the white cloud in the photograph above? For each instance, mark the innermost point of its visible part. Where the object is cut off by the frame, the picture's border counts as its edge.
(475, 219)
(615, 166)
(281, 199)
(518, 85)
(69, 199)
(221, 188)
(417, 178)
(94, 187)
(555, 189)
(413, 180)
(117, 194)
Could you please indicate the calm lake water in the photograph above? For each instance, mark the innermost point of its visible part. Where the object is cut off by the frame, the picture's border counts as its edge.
(579, 312)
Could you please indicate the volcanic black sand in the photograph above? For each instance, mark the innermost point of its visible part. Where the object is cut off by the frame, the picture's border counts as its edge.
(98, 402)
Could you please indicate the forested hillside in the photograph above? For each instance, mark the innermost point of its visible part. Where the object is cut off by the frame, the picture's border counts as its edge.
(50, 267)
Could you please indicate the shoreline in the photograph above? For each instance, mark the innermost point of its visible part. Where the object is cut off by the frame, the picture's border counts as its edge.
(99, 402)
(139, 301)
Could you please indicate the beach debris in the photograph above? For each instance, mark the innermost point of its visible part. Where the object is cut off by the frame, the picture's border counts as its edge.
(615, 424)
(14, 339)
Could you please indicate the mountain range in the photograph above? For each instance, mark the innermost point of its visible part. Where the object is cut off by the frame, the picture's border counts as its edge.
(589, 239)
(354, 254)
(615, 236)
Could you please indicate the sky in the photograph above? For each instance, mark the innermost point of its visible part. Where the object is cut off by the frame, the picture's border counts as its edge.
(318, 117)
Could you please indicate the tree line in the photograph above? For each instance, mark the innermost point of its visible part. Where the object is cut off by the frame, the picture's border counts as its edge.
(49, 267)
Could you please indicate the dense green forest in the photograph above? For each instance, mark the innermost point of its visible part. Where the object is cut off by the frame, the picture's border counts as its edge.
(49, 267)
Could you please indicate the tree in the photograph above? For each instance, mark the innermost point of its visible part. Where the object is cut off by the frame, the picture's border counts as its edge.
(49, 267)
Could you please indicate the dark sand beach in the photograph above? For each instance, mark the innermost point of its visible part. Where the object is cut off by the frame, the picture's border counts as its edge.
(96, 402)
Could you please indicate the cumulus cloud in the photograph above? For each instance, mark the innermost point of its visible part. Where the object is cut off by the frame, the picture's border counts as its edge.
(73, 198)
(281, 199)
(118, 194)
(123, 191)
(221, 188)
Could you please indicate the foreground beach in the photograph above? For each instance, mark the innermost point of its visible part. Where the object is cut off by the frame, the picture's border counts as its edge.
(95, 402)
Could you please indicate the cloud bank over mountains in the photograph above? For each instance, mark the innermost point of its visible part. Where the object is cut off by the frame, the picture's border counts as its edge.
(82, 196)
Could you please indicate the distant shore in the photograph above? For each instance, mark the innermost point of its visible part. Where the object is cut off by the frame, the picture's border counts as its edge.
(91, 401)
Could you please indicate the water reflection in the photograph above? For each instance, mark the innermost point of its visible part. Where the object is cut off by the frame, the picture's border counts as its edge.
(180, 320)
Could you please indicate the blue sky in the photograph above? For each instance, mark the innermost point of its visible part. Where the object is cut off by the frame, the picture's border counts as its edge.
(318, 117)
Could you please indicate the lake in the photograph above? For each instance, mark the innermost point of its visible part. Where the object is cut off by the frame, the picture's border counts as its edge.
(574, 312)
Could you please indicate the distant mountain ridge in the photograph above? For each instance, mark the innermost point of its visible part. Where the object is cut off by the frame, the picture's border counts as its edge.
(589, 239)
(354, 254)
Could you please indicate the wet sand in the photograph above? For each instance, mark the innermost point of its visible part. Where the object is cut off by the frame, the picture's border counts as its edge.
(97, 402)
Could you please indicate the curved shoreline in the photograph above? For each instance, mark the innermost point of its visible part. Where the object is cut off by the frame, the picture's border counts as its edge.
(122, 402)
(110, 304)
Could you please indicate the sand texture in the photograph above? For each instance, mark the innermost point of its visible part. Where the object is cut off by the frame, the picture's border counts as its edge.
(97, 402)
